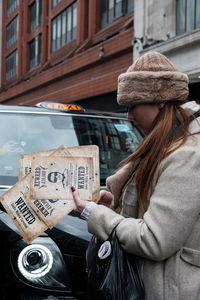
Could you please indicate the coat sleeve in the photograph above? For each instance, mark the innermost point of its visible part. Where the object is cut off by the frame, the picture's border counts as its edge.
(173, 210)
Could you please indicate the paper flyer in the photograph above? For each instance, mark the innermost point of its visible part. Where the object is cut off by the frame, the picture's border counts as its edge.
(26, 220)
(25, 161)
(51, 211)
(85, 151)
(42, 196)
(53, 176)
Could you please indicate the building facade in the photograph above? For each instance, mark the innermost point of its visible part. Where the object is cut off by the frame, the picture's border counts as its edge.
(65, 50)
(171, 27)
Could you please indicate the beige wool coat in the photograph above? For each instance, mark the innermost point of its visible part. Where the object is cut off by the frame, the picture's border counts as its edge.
(167, 236)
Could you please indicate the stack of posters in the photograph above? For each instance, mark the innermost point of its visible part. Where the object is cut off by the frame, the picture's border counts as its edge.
(42, 196)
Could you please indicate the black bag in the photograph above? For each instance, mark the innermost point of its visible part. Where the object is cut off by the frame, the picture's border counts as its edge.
(116, 277)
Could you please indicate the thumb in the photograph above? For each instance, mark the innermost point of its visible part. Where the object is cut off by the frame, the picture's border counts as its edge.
(80, 204)
(75, 193)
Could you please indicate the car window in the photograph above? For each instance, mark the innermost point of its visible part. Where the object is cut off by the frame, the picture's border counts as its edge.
(26, 133)
(116, 139)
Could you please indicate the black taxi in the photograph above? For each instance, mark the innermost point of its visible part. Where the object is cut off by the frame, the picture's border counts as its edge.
(53, 266)
(49, 125)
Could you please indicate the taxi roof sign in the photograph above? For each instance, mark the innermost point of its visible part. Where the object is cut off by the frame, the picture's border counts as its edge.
(60, 106)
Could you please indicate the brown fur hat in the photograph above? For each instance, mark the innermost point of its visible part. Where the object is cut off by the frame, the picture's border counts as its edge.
(152, 79)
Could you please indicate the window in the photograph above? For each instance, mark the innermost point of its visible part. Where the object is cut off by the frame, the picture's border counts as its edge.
(63, 27)
(55, 2)
(33, 132)
(188, 15)
(113, 9)
(11, 65)
(35, 51)
(11, 5)
(11, 32)
(35, 14)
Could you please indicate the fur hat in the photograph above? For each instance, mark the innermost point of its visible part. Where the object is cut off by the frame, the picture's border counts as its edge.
(152, 79)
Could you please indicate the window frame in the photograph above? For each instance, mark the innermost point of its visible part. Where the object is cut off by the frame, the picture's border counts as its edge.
(183, 11)
(37, 20)
(114, 9)
(37, 43)
(64, 27)
(13, 4)
(12, 32)
(9, 74)
(54, 3)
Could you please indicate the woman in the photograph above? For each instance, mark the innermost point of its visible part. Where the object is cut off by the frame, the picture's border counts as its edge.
(156, 195)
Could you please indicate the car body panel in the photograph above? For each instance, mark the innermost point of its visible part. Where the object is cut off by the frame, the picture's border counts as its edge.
(33, 129)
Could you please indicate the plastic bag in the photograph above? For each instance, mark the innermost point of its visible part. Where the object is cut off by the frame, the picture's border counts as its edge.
(115, 277)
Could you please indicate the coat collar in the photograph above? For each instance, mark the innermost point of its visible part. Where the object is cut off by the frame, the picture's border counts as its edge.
(116, 182)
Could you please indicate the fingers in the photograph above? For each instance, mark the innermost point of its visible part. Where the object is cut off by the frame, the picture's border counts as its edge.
(75, 194)
(80, 204)
(105, 195)
(105, 198)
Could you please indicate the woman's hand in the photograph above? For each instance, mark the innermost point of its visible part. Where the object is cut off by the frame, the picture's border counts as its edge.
(80, 204)
(105, 198)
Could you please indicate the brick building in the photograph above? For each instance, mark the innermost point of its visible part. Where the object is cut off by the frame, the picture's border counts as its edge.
(65, 50)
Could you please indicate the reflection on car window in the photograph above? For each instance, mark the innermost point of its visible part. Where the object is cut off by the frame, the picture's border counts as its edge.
(26, 133)
(116, 139)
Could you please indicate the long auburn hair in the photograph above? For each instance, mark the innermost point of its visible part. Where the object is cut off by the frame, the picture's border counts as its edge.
(170, 126)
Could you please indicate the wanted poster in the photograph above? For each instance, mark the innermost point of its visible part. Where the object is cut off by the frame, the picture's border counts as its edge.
(25, 161)
(85, 151)
(53, 176)
(52, 211)
(42, 196)
(26, 220)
